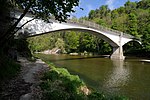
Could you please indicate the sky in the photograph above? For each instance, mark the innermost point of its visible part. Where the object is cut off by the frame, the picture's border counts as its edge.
(89, 5)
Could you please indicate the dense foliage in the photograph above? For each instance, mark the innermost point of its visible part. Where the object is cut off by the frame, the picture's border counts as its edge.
(68, 42)
(133, 18)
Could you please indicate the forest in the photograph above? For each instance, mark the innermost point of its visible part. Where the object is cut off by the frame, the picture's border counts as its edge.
(132, 18)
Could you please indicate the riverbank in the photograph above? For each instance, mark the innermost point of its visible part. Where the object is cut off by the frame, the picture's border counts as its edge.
(24, 86)
(55, 84)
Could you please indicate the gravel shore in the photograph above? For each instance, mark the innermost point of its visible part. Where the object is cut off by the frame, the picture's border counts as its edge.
(25, 86)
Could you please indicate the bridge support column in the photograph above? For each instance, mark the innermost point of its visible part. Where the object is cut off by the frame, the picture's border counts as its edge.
(117, 53)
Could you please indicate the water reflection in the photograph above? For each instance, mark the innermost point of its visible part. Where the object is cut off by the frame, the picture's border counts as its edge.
(118, 77)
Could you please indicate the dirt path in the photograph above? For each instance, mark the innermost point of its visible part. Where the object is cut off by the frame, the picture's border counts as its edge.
(25, 85)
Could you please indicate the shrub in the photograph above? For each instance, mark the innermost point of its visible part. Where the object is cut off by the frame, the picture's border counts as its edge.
(58, 84)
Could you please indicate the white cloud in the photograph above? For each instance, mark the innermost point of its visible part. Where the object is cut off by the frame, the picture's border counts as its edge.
(110, 4)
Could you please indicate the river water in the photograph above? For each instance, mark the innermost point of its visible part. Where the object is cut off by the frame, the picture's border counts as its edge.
(130, 77)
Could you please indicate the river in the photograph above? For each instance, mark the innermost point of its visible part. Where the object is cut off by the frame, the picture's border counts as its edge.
(130, 77)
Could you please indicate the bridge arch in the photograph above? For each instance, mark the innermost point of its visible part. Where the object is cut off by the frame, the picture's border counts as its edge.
(135, 41)
(134, 45)
(90, 31)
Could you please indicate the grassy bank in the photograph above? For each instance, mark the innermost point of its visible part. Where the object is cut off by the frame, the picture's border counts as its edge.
(59, 84)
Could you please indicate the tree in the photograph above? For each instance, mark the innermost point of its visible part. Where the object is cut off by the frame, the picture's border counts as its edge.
(144, 4)
(114, 14)
(91, 14)
(5, 20)
(72, 41)
(146, 38)
(42, 9)
(119, 23)
(100, 21)
(132, 24)
(103, 11)
(130, 7)
(60, 44)
(104, 47)
(121, 10)
(87, 42)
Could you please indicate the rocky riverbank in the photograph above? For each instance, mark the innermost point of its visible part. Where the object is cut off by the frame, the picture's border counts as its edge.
(25, 85)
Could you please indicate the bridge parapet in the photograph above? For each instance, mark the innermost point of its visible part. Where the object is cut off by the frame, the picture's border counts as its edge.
(90, 24)
(97, 26)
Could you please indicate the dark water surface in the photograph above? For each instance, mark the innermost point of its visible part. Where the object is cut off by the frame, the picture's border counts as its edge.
(130, 77)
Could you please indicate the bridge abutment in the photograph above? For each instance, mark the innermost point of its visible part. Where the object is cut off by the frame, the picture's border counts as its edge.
(117, 53)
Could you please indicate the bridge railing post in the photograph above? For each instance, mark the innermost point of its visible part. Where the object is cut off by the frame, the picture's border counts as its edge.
(94, 24)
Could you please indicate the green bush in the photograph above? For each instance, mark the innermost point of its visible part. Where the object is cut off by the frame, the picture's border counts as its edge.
(58, 84)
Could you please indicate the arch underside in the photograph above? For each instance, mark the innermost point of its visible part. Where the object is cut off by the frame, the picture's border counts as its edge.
(136, 41)
(99, 34)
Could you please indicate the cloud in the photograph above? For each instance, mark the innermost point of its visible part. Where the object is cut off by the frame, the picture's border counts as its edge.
(110, 4)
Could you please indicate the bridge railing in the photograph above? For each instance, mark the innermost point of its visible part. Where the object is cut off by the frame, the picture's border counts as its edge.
(97, 26)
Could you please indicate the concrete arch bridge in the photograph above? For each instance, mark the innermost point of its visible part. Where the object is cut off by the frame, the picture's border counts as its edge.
(38, 27)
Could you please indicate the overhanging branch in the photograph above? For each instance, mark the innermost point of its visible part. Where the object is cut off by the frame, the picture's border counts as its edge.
(24, 25)
(10, 31)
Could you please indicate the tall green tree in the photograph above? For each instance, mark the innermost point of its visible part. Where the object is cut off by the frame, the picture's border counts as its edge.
(132, 24)
(146, 38)
(60, 44)
(72, 41)
(103, 11)
(130, 7)
(87, 42)
(91, 14)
